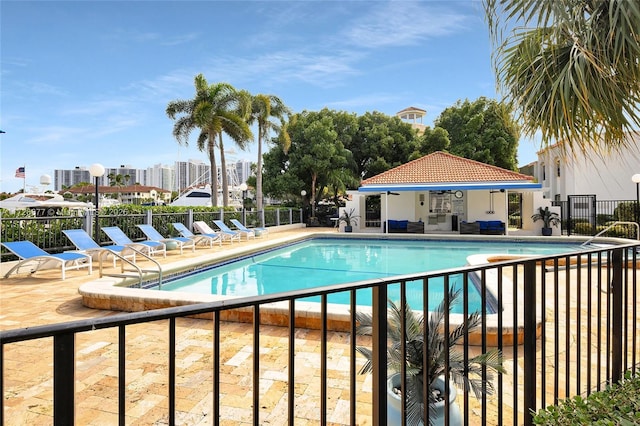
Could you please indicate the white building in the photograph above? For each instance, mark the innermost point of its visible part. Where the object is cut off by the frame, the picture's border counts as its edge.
(183, 175)
(161, 176)
(605, 175)
(441, 192)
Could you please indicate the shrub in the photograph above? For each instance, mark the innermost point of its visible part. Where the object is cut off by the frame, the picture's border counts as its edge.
(583, 228)
(604, 219)
(617, 405)
(626, 211)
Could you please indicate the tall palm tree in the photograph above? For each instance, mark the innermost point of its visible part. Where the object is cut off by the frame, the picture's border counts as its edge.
(571, 67)
(264, 108)
(116, 180)
(212, 111)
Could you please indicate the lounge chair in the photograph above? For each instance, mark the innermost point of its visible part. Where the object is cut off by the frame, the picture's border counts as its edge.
(30, 253)
(225, 229)
(200, 238)
(84, 243)
(204, 228)
(241, 227)
(153, 235)
(116, 235)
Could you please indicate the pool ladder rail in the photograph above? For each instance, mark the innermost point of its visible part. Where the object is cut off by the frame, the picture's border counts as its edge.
(138, 272)
(611, 226)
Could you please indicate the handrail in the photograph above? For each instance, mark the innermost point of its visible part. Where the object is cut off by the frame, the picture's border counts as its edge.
(611, 226)
(137, 268)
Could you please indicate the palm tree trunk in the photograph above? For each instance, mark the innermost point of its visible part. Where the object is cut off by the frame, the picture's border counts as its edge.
(214, 170)
(259, 172)
(223, 172)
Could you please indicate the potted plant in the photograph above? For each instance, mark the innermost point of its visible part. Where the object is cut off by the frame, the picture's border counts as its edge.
(548, 219)
(468, 375)
(349, 218)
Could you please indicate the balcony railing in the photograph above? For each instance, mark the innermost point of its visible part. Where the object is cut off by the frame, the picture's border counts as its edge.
(568, 326)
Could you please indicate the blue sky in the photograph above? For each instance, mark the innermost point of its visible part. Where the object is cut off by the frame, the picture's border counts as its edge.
(88, 81)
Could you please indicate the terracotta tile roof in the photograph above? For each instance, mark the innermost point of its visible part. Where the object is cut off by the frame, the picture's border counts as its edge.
(409, 109)
(441, 167)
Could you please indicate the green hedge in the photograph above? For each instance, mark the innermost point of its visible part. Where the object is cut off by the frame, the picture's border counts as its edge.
(617, 405)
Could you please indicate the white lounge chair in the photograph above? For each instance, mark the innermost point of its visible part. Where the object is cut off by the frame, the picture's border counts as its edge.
(31, 254)
(260, 231)
(153, 235)
(204, 228)
(118, 236)
(200, 238)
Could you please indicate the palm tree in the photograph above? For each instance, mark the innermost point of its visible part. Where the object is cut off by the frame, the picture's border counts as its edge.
(212, 111)
(263, 108)
(116, 180)
(443, 357)
(570, 67)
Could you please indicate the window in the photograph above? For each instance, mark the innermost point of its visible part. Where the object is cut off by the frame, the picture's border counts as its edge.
(544, 172)
(558, 168)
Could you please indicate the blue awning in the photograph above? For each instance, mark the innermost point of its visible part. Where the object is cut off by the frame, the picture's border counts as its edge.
(452, 186)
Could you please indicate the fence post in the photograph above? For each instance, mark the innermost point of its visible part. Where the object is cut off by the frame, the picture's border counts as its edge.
(87, 221)
(529, 342)
(149, 217)
(189, 219)
(277, 217)
(64, 388)
(616, 313)
(379, 355)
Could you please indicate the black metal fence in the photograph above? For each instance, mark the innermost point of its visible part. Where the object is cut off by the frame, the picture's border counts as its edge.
(46, 232)
(586, 215)
(568, 326)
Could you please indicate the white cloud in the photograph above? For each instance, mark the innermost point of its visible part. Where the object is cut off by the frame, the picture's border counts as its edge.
(402, 24)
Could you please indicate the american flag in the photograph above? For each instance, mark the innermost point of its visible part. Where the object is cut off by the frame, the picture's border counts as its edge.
(20, 172)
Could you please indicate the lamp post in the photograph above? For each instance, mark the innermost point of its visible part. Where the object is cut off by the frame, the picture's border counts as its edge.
(636, 179)
(303, 193)
(96, 170)
(243, 188)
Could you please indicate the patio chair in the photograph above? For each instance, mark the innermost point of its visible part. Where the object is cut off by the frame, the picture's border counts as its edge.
(118, 236)
(29, 253)
(200, 238)
(85, 244)
(204, 228)
(260, 231)
(153, 235)
(225, 229)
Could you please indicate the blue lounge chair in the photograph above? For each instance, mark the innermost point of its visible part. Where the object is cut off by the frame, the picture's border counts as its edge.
(200, 238)
(30, 253)
(260, 231)
(225, 229)
(84, 243)
(116, 235)
(204, 228)
(153, 235)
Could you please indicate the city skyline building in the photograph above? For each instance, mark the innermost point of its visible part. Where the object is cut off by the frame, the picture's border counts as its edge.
(179, 177)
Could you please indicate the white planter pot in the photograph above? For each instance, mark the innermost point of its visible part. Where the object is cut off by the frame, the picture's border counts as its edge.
(394, 404)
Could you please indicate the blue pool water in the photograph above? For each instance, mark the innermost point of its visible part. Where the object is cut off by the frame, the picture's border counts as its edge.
(321, 262)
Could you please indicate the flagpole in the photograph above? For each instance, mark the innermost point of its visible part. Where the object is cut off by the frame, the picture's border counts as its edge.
(24, 179)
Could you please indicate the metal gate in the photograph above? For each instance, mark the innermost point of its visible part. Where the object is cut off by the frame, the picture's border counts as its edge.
(581, 214)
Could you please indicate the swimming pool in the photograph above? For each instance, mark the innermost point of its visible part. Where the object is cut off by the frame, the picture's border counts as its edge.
(325, 261)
